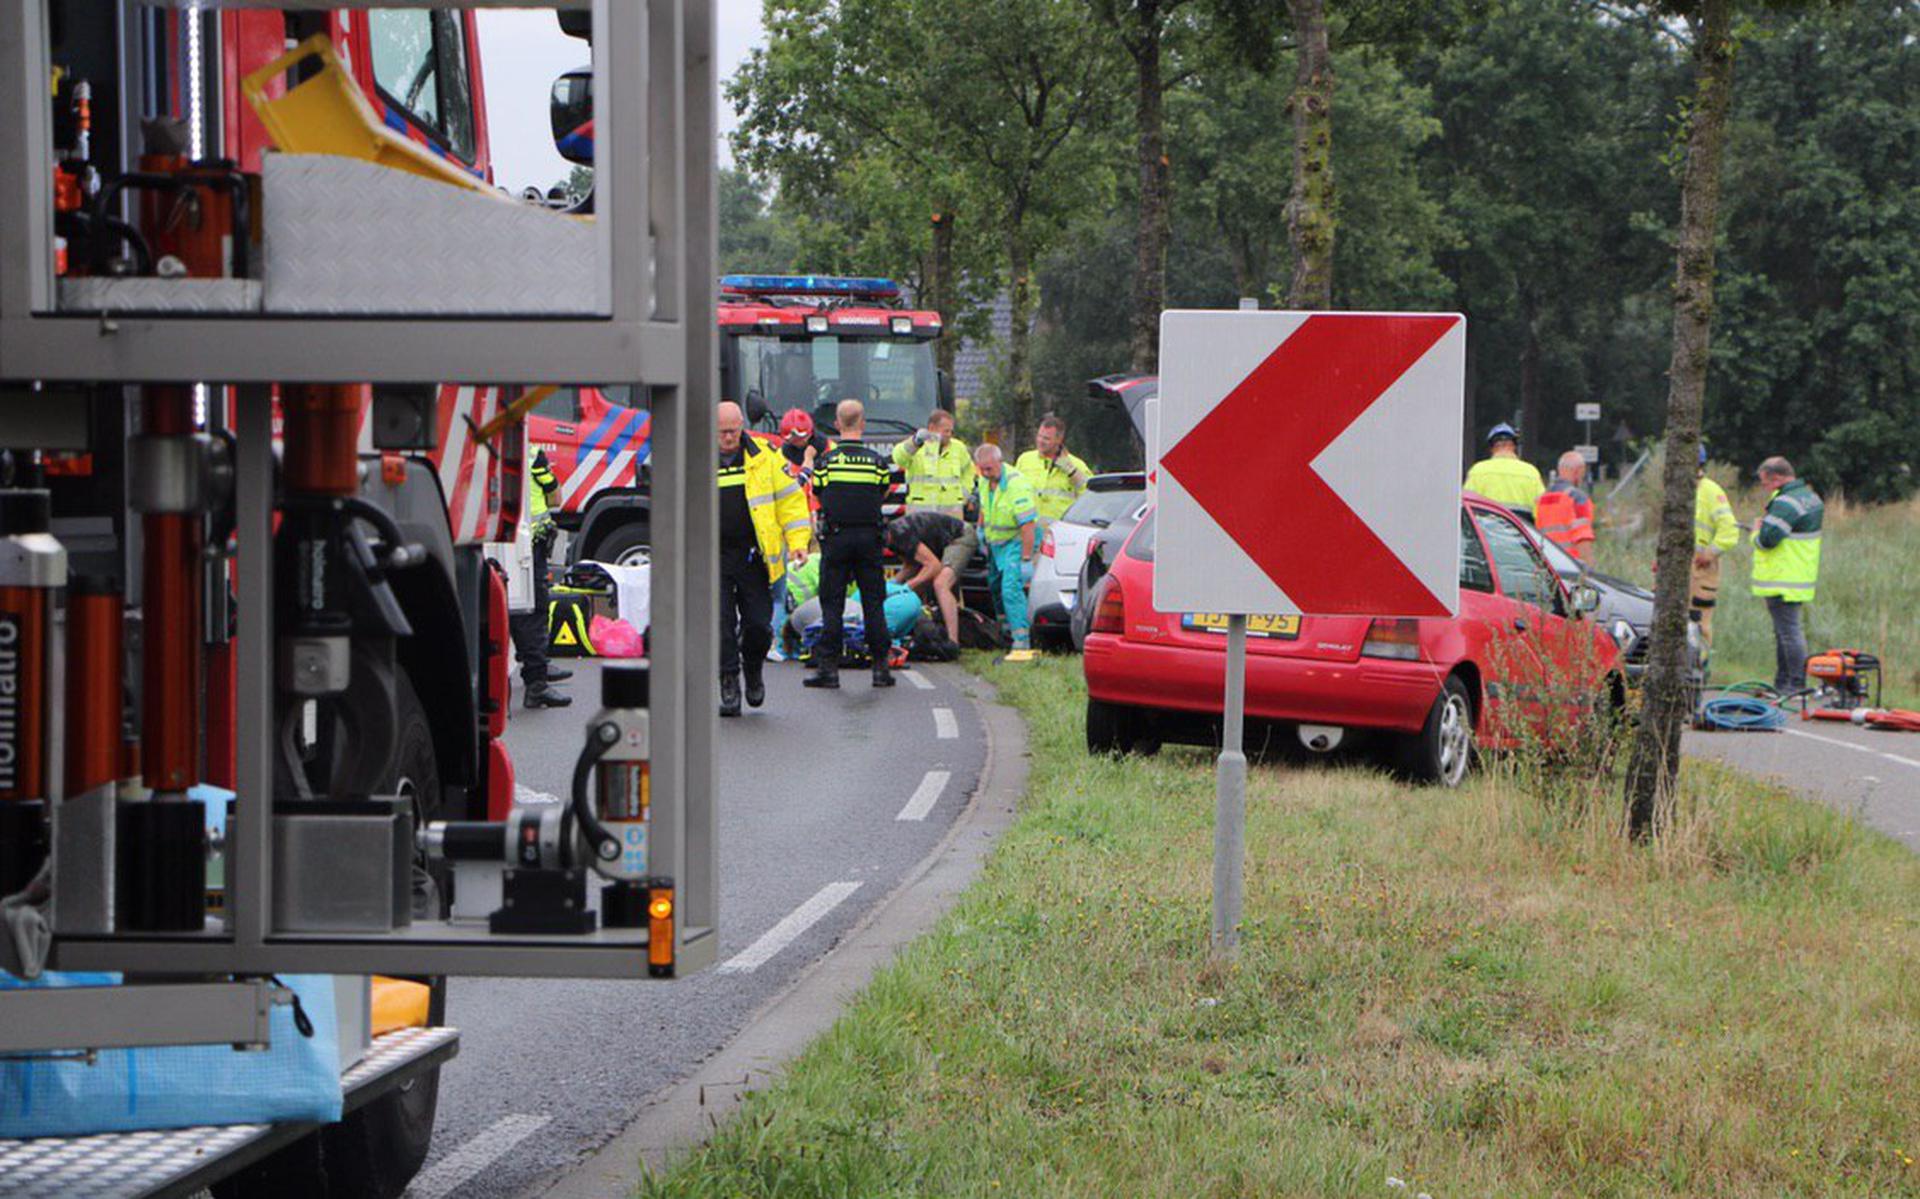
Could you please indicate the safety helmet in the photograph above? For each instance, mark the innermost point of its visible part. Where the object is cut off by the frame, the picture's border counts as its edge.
(796, 421)
(1503, 429)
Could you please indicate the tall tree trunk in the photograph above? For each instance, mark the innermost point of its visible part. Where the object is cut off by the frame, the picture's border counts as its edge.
(1019, 355)
(1310, 207)
(1655, 765)
(1530, 351)
(940, 288)
(1150, 242)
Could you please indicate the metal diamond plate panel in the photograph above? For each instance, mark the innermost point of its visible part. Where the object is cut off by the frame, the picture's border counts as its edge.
(349, 238)
(175, 297)
(124, 1165)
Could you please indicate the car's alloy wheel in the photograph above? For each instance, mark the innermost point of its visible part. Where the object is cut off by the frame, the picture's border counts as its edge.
(1442, 751)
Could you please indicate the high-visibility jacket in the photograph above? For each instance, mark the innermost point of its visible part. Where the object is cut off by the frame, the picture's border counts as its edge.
(1057, 482)
(781, 522)
(1564, 515)
(937, 477)
(1005, 507)
(1511, 482)
(1786, 550)
(1714, 527)
(539, 520)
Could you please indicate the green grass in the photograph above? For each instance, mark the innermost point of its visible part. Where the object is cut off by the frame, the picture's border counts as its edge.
(1435, 987)
(1869, 595)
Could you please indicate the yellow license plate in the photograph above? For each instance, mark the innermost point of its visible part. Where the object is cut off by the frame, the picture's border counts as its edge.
(1257, 626)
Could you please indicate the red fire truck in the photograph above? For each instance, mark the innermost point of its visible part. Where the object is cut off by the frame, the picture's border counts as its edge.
(786, 341)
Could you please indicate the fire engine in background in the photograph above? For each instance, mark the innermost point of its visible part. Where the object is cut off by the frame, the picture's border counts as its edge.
(786, 341)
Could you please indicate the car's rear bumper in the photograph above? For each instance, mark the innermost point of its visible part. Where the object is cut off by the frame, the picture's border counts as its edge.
(1370, 693)
(1054, 617)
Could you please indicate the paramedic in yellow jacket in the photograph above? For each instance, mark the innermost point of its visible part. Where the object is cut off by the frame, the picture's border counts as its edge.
(1055, 474)
(937, 466)
(1715, 531)
(763, 524)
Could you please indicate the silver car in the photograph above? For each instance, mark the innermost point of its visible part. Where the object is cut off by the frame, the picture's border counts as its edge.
(1052, 595)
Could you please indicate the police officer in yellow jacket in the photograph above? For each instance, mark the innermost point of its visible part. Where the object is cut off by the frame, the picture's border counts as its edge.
(1786, 566)
(938, 469)
(763, 524)
(1715, 531)
(1055, 474)
(1503, 476)
(530, 629)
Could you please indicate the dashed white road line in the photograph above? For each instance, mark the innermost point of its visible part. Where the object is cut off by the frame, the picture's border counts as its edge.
(945, 727)
(456, 1169)
(790, 927)
(919, 680)
(1850, 745)
(925, 795)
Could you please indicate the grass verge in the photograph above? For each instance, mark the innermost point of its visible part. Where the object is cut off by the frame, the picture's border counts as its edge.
(1440, 988)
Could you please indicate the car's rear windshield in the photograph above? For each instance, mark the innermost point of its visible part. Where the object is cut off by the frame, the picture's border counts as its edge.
(1102, 508)
(1140, 545)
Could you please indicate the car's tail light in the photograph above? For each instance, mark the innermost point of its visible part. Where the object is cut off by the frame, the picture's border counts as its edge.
(1393, 638)
(1111, 615)
(1046, 545)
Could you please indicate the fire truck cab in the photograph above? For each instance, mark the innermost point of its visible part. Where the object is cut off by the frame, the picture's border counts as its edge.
(786, 342)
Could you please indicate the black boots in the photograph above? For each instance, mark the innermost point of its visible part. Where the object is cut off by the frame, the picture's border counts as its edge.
(557, 675)
(825, 674)
(882, 675)
(729, 695)
(543, 695)
(756, 685)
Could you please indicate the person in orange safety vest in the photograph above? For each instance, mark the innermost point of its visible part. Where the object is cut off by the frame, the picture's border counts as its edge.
(1564, 511)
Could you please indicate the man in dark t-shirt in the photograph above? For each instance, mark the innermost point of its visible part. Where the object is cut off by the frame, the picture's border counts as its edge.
(933, 549)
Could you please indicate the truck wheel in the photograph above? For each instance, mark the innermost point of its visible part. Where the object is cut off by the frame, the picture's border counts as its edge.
(378, 1149)
(417, 778)
(630, 544)
(1442, 750)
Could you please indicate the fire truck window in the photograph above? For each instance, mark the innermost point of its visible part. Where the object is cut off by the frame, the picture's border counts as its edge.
(563, 404)
(420, 65)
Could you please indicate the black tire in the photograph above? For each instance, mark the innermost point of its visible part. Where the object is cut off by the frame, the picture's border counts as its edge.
(378, 1148)
(417, 777)
(627, 544)
(1109, 728)
(1441, 753)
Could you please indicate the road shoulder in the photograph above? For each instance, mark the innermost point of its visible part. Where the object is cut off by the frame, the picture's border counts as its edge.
(681, 1117)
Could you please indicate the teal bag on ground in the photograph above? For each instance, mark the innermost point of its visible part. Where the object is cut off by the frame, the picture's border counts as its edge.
(178, 1086)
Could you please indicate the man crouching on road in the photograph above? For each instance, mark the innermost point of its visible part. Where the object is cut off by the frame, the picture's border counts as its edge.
(1007, 522)
(933, 549)
(763, 523)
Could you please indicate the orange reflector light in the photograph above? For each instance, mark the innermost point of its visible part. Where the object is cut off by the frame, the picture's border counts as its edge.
(660, 932)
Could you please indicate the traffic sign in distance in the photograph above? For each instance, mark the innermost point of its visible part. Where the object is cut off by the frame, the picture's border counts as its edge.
(1590, 454)
(1311, 463)
(1586, 410)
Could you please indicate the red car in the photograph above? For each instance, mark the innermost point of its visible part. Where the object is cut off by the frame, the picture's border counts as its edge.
(1517, 656)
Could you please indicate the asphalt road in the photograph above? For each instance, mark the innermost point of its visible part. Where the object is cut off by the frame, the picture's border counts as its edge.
(813, 790)
(1875, 775)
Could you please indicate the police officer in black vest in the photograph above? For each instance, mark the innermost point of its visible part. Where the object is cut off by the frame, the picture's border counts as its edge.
(850, 482)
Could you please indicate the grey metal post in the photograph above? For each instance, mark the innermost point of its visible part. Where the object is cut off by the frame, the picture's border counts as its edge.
(1230, 802)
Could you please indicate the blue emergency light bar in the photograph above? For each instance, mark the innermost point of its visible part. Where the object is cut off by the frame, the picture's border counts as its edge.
(809, 285)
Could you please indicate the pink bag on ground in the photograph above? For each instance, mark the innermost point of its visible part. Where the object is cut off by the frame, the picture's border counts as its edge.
(616, 639)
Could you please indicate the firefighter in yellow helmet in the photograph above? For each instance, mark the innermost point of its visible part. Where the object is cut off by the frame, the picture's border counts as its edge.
(1503, 476)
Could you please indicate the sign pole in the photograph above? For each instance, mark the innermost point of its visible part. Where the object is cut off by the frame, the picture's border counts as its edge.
(1230, 802)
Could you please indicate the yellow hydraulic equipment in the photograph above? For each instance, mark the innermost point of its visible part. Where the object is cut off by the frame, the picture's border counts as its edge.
(328, 114)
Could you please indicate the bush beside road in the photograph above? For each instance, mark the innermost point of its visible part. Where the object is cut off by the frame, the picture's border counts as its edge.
(1869, 595)
(1463, 990)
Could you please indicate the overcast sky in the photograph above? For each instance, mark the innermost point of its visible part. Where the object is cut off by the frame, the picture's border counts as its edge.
(523, 50)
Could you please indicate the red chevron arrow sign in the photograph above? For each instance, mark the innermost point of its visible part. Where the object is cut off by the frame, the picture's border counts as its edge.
(1313, 463)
